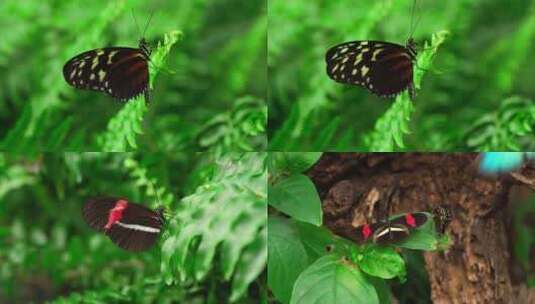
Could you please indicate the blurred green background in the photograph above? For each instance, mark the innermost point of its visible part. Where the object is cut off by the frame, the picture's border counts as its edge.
(215, 100)
(477, 94)
(212, 249)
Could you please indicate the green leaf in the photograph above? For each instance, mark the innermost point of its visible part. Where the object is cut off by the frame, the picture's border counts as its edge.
(381, 261)
(287, 257)
(333, 280)
(297, 197)
(291, 162)
(222, 223)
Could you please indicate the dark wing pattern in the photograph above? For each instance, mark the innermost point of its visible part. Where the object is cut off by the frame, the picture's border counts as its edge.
(96, 210)
(385, 69)
(130, 239)
(141, 215)
(120, 72)
(411, 220)
(138, 228)
(390, 233)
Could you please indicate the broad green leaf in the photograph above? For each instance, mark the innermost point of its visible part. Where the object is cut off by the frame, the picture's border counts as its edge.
(287, 257)
(292, 162)
(297, 197)
(333, 280)
(382, 262)
(223, 224)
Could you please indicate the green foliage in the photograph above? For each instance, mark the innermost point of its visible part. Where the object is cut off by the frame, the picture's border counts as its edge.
(222, 223)
(47, 250)
(290, 191)
(333, 280)
(219, 62)
(297, 197)
(483, 62)
(240, 129)
(510, 128)
(389, 128)
(123, 127)
(308, 264)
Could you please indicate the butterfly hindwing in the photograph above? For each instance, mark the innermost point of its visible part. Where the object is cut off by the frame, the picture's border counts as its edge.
(119, 72)
(130, 239)
(385, 69)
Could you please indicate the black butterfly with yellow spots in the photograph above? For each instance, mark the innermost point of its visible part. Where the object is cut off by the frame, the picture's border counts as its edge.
(120, 72)
(384, 68)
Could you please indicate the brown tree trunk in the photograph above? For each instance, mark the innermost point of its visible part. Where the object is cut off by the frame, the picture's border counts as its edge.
(476, 268)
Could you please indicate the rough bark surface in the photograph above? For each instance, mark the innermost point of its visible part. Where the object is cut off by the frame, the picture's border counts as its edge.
(476, 268)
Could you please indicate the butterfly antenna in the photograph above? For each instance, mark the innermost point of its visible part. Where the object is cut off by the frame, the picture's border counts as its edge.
(147, 25)
(412, 20)
(135, 21)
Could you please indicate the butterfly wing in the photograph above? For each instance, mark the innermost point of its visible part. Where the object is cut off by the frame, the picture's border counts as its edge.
(411, 220)
(119, 72)
(384, 68)
(138, 228)
(96, 210)
(499, 162)
(390, 234)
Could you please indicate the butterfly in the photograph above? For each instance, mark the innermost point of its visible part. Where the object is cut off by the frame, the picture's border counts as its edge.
(131, 226)
(120, 72)
(394, 230)
(384, 68)
(501, 162)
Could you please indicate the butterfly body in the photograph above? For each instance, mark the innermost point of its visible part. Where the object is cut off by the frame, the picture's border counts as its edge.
(120, 72)
(384, 68)
(129, 225)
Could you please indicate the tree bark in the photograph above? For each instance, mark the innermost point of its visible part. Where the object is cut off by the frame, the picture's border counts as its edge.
(476, 268)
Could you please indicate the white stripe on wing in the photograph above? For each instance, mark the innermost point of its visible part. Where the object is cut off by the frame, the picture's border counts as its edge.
(138, 227)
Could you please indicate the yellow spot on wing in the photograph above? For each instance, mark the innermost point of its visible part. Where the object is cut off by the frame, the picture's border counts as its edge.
(335, 68)
(110, 56)
(364, 70)
(95, 63)
(375, 53)
(359, 59)
(101, 75)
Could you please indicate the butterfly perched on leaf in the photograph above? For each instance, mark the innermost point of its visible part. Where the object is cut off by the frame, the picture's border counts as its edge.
(501, 162)
(131, 226)
(392, 231)
(120, 72)
(384, 68)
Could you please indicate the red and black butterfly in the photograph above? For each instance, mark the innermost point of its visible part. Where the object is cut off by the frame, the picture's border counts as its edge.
(391, 231)
(129, 225)
(384, 68)
(120, 72)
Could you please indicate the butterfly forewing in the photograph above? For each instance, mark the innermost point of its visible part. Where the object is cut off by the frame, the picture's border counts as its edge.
(120, 72)
(386, 69)
(96, 210)
(129, 225)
